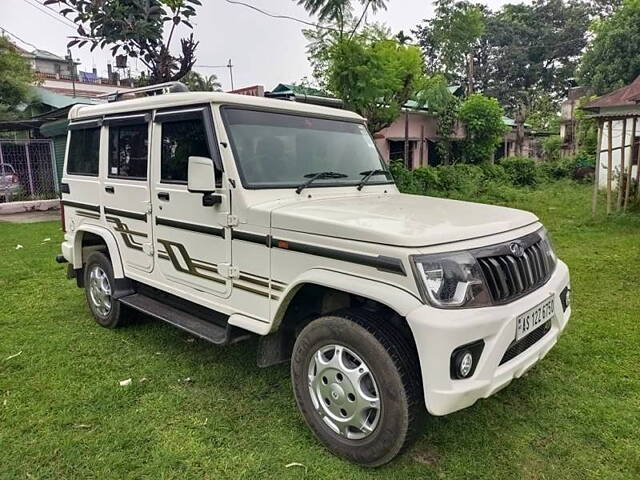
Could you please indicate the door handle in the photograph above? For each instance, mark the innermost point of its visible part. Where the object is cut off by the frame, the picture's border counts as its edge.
(109, 189)
(163, 196)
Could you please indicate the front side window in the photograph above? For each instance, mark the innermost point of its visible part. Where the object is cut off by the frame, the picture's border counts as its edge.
(277, 150)
(180, 140)
(128, 146)
(84, 152)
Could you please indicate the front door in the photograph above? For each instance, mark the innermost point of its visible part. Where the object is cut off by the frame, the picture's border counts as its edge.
(193, 248)
(125, 187)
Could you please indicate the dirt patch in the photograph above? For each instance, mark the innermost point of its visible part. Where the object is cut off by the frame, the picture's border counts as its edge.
(31, 217)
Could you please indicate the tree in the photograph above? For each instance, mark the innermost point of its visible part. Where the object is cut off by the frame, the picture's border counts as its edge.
(483, 120)
(533, 50)
(450, 38)
(372, 73)
(201, 83)
(613, 59)
(16, 78)
(136, 27)
(339, 13)
(444, 105)
(529, 51)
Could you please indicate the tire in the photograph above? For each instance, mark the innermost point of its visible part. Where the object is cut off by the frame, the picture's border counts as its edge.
(98, 290)
(393, 379)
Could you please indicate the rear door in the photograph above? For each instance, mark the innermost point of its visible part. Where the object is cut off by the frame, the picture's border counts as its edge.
(125, 188)
(192, 243)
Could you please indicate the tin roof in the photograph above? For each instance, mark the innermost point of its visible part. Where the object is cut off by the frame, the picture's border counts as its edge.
(622, 97)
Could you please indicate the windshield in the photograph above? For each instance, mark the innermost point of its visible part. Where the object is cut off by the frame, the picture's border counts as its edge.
(276, 150)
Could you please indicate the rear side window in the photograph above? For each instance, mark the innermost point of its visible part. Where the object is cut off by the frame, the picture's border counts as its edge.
(84, 152)
(180, 140)
(128, 147)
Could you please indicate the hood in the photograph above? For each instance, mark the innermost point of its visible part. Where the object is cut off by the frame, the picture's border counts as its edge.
(398, 219)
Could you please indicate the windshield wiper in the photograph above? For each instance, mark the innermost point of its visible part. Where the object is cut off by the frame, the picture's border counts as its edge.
(371, 173)
(318, 176)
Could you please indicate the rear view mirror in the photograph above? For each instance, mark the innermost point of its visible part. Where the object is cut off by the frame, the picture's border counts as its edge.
(201, 176)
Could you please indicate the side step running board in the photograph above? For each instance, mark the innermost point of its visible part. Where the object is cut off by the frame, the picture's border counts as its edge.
(196, 326)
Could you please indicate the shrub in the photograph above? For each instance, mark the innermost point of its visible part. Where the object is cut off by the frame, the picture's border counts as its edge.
(551, 147)
(501, 182)
(426, 179)
(522, 171)
(483, 120)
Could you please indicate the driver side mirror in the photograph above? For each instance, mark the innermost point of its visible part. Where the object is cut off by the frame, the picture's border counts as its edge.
(201, 178)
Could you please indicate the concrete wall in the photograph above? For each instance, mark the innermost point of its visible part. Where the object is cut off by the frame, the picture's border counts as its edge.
(49, 66)
(616, 140)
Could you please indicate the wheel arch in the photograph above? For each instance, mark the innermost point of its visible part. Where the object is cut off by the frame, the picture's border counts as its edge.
(397, 299)
(319, 292)
(109, 241)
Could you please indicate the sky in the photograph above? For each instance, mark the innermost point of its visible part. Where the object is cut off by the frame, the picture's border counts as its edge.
(264, 51)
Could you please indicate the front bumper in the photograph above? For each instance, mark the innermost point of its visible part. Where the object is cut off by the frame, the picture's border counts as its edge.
(439, 332)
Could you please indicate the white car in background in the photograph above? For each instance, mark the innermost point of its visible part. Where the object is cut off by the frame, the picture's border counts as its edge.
(10, 186)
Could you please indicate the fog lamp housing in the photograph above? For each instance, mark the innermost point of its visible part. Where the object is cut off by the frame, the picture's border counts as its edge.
(464, 360)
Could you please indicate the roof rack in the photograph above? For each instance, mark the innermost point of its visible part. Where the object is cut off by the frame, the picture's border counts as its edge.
(159, 89)
(311, 99)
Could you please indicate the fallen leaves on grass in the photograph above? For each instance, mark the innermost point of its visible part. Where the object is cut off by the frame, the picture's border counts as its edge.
(296, 464)
(14, 355)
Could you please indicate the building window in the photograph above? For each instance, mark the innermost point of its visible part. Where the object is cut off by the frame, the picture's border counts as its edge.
(128, 146)
(180, 140)
(396, 151)
(84, 152)
(634, 151)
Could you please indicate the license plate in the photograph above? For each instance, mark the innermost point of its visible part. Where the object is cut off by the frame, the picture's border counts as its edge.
(532, 319)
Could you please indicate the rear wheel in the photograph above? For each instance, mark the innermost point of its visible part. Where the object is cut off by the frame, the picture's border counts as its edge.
(98, 284)
(356, 381)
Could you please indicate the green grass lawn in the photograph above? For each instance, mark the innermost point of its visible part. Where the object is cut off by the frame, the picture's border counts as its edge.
(198, 411)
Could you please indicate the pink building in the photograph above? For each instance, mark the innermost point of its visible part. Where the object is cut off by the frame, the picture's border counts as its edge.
(423, 133)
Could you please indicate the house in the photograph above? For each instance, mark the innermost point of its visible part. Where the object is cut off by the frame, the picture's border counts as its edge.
(60, 75)
(618, 151)
(531, 141)
(420, 127)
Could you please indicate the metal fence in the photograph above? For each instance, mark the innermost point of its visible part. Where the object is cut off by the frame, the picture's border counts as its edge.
(27, 170)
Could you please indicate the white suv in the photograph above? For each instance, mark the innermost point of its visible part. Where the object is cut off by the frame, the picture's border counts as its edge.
(231, 216)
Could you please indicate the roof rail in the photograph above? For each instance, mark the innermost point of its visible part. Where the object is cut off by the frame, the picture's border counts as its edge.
(159, 89)
(304, 98)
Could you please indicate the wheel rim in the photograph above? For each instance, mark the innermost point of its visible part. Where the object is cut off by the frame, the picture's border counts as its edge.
(100, 290)
(344, 392)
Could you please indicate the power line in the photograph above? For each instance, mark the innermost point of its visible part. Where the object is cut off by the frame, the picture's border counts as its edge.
(55, 11)
(56, 18)
(2, 29)
(283, 17)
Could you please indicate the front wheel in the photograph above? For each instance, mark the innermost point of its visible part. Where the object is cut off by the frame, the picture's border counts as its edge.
(356, 382)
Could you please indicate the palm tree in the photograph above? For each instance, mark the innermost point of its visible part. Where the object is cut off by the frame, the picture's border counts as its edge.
(402, 38)
(339, 11)
(200, 83)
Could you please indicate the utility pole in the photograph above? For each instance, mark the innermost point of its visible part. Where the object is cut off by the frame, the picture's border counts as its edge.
(72, 69)
(230, 67)
(407, 161)
(470, 73)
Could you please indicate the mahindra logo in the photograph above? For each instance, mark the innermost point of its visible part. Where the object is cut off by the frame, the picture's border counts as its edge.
(516, 249)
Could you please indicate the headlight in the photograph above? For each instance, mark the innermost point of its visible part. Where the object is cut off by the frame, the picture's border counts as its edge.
(548, 249)
(451, 280)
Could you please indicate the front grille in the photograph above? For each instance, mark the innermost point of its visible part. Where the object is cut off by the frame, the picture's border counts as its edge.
(509, 277)
(523, 344)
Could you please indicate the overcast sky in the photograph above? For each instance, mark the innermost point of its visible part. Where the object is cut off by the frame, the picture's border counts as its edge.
(264, 50)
